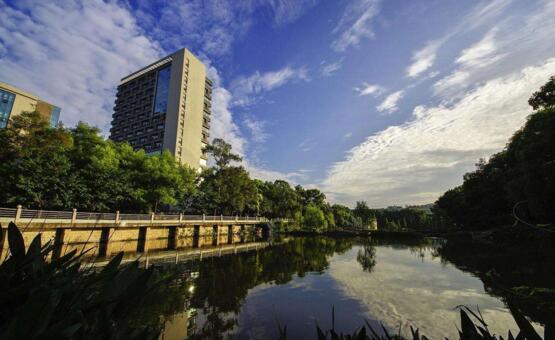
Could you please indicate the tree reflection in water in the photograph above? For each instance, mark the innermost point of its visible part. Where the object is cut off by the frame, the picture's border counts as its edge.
(222, 284)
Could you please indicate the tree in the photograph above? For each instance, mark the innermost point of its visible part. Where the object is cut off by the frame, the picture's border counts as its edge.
(95, 165)
(228, 190)
(344, 217)
(314, 218)
(279, 199)
(221, 152)
(35, 168)
(545, 97)
(310, 196)
(164, 182)
(363, 212)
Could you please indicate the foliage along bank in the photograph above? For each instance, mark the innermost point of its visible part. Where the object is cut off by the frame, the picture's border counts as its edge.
(62, 168)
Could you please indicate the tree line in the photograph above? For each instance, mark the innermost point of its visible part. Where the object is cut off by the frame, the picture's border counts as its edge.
(517, 182)
(59, 168)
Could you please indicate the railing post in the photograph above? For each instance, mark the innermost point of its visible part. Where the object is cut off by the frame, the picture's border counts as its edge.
(74, 216)
(203, 218)
(236, 217)
(17, 213)
(221, 217)
(117, 216)
(151, 217)
(180, 217)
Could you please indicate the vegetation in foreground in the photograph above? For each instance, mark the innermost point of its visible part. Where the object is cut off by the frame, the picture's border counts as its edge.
(473, 327)
(44, 297)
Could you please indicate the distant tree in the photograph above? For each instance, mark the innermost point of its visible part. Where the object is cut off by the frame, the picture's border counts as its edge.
(344, 217)
(314, 219)
(311, 196)
(363, 212)
(221, 152)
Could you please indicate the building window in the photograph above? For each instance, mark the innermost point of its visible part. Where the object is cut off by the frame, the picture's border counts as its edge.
(55, 116)
(162, 90)
(6, 104)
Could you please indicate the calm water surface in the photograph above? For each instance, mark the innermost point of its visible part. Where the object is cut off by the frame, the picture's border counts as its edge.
(296, 283)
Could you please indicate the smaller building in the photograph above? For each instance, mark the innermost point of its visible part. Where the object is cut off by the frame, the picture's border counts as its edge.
(14, 101)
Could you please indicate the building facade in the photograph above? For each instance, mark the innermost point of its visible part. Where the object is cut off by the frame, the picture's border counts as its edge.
(14, 101)
(166, 106)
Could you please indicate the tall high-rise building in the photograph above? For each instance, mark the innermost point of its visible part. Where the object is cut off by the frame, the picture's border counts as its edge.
(14, 101)
(166, 106)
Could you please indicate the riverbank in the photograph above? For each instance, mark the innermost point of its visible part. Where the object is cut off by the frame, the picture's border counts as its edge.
(359, 233)
(503, 235)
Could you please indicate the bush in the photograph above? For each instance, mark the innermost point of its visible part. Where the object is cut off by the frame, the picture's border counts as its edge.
(63, 300)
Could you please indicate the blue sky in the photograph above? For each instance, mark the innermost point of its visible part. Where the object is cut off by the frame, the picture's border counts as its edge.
(385, 101)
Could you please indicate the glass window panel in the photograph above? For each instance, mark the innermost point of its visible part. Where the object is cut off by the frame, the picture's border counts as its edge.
(162, 90)
(55, 116)
(6, 103)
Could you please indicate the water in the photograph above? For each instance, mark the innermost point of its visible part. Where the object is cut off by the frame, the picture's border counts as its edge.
(295, 284)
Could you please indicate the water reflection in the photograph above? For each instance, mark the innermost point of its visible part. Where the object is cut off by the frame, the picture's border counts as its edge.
(296, 282)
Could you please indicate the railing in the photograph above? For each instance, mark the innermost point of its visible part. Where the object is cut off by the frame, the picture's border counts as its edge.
(45, 214)
(74, 216)
(7, 212)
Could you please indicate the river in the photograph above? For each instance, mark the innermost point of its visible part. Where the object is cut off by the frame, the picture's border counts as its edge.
(296, 281)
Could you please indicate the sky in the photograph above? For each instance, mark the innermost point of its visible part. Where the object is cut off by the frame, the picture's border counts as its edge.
(390, 102)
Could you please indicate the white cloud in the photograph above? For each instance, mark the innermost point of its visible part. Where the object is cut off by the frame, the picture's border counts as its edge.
(389, 105)
(480, 15)
(256, 129)
(415, 162)
(423, 59)
(329, 69)
(348, 135)
(286, 11)
(245, 89)
(223, 125)
(72, 54)
(512, 42)
(369, 89)
(456, 78)
(266, 174)
(355, 24)
(480, 54)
